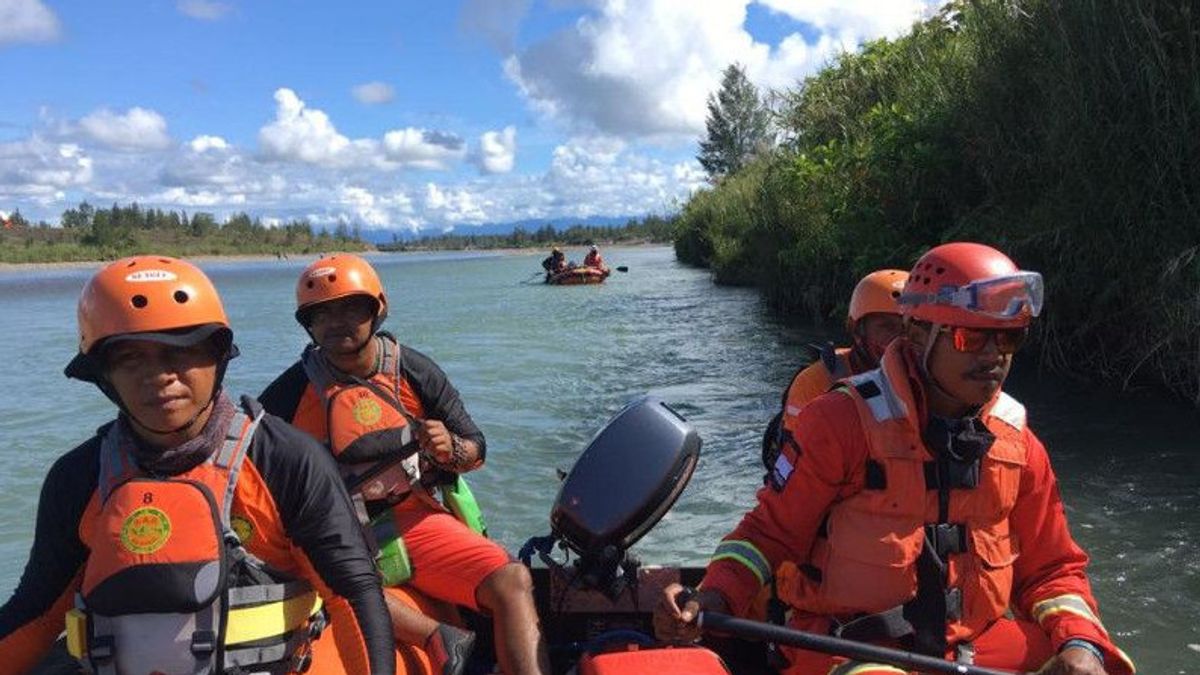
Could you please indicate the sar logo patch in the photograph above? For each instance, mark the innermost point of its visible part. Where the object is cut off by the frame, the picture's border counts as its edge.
(145, 530)
(367, 411)
(242, 527)
(781, 472)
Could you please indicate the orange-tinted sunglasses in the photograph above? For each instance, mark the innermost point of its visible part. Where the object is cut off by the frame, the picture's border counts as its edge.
(971, 340)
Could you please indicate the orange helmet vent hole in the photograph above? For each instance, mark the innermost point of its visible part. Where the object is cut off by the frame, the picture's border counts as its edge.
(139, 301)
(181, 297)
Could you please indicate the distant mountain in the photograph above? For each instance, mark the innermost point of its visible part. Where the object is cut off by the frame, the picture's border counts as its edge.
(377, 236)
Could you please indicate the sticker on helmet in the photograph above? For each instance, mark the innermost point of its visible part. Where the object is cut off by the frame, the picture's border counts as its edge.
(321, 272)
(142, 276)
(145, 530)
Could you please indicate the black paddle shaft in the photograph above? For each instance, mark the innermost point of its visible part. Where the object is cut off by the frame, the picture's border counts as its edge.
(756, 630)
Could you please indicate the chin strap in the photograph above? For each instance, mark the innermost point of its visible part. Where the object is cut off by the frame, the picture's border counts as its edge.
(934, 329)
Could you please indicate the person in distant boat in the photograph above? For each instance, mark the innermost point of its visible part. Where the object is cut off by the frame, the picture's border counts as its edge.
(388, 412)
(593, 259)
(159, 539)
(872, 321)
(917, 508)
(555, 262)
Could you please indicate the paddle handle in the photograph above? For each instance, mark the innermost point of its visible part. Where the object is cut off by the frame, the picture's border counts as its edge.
(858, 651)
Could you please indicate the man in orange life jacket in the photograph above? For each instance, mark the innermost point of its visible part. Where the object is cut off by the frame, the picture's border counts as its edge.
(160, 538)
(872, 321)
(593, 259)
(363, 394)
(917, 507)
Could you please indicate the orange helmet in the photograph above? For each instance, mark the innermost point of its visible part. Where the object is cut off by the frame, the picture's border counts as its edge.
(151, 298)
(876, 293)
(338, 276)
(973, 286)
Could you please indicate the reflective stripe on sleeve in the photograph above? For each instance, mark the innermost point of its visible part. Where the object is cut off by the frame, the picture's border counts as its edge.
(858, 668)
(747, 554)
(1070, 604)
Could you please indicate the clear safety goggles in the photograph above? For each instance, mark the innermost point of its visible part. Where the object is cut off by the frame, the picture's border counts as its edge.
(1005, 297)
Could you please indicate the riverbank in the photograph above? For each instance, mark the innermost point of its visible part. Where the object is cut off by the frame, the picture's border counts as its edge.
(93, 264)
(1061, 133)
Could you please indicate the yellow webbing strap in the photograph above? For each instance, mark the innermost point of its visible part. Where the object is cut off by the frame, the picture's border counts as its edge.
(77, 633)
(272, 619)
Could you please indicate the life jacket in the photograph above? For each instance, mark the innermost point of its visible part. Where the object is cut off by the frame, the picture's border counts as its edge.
(372, 435)
(168, 587)
(370, 431)
(829, 365)
(924, 532)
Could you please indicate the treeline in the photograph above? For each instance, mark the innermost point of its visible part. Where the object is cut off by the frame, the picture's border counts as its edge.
(88, 233)
(651, 229)
(1065, 133)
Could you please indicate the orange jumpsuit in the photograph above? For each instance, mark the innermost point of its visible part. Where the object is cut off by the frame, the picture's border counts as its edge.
(828, 466)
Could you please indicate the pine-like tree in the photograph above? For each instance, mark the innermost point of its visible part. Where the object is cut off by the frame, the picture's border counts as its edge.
(738, 125)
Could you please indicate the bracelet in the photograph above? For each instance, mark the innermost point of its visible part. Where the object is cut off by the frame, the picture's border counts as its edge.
(459, 459)
(1083, 644)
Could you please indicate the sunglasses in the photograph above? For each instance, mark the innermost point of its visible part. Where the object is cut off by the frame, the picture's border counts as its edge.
(971, 340)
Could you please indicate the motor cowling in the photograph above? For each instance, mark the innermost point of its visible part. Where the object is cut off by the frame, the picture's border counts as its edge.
(627, 478)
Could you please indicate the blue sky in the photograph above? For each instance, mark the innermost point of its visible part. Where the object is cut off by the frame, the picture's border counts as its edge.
(391, 115)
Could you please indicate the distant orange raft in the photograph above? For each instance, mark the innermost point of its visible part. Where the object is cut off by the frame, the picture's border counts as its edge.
(579, 275)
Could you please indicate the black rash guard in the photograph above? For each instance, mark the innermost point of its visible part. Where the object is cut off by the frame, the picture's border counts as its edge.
(309, 495)
(438, 397)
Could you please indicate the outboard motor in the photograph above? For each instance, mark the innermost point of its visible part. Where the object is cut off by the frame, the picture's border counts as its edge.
(627, 478)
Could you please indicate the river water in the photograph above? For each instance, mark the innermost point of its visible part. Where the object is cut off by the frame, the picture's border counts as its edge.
(541, 368)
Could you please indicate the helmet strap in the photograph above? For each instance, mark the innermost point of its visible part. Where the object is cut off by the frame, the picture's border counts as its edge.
(934, 330)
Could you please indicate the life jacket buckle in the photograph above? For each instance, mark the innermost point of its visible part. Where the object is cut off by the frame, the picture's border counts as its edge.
(101, 648)
(954, 604)
(947, 538)
(204, 643)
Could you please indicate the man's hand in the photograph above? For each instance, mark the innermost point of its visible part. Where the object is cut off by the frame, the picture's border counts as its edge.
(671, 623)
(436, 442)
(1074, 661)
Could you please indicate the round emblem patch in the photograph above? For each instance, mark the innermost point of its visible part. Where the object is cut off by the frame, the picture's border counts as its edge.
(145, 530)
(367, 411)
(242, 528)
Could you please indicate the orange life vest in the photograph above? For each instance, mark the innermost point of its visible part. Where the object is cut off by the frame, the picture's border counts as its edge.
(368, 425)
(167, 586)
(808, 383)
(866, 562)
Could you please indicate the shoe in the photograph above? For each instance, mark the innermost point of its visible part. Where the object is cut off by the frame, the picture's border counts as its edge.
(450, 648)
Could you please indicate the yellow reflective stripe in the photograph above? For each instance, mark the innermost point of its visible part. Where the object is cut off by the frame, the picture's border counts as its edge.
(1070, 604)
(857, 668)
(747, 554)
(272, 619)
(1125, 657)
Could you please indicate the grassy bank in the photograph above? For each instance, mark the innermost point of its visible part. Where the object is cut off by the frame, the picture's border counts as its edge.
(87, 234)
(1066, 133)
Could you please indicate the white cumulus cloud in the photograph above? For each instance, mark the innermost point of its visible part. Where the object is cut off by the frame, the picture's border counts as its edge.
(36, 167)
(453, 205)
(644, 69)
(422, 148)
(205, 10)
(301, 134)
(203, 143)
(27, 21)
(137, 129)
(498, 150)
(374, 93)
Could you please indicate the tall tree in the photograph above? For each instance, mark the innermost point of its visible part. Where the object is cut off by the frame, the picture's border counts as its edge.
(738, 125)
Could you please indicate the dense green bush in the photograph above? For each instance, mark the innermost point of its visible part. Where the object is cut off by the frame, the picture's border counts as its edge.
(1066, 133)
